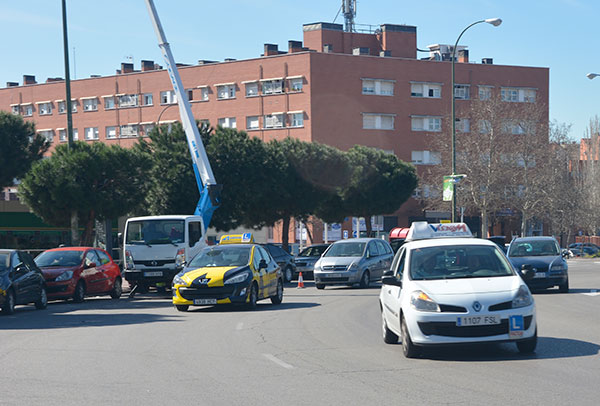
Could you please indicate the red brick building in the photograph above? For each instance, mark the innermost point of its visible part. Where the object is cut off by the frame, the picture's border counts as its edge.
(335, 87)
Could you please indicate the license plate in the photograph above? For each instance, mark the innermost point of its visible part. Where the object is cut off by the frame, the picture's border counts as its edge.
(205, 301)
(330, 275)
(153, 273)
(477, 320)
(539, 275)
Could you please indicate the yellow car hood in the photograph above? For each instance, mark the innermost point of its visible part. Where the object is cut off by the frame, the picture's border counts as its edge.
(215, 274)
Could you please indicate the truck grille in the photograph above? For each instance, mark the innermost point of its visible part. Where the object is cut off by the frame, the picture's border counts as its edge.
(155, 262)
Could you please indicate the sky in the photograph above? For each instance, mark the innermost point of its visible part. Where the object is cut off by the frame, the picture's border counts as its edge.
(556, 34)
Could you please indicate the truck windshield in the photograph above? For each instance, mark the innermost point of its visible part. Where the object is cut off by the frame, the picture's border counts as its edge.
(155, 232)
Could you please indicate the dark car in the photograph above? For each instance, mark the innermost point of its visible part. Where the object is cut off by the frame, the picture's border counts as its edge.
(21, 281)
(284, 259)
(580, 249)
(305, 260)
(544, 256)
(74, 272)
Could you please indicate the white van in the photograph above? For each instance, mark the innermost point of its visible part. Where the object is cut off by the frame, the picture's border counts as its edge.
(155, 248)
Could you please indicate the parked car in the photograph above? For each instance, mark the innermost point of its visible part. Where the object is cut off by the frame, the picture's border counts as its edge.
(74, 272)
(582, 249)
(544, 256)
(284, 259)
(21, 281)
(306, 259)
(398, 237)
(354, 261)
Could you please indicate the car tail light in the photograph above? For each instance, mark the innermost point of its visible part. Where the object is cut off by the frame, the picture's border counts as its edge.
(129, 260)
(180, 258)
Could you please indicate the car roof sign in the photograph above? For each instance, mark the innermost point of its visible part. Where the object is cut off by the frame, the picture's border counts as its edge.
(245, 238)
(421, 230)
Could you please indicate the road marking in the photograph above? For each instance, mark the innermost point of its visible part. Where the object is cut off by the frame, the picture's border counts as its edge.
(279, 362)
(239, 326)
(592, 292)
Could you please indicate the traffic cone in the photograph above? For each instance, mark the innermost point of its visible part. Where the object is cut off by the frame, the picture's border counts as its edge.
(300, 281)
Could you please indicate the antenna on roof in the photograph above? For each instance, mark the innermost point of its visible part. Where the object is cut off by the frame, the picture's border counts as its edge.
(349, 10)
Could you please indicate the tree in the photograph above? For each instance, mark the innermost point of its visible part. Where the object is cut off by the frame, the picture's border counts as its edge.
(96, 180)
(21, 146)
(590, 177)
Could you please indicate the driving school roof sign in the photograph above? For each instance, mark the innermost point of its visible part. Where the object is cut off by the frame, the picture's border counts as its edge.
(421, 230)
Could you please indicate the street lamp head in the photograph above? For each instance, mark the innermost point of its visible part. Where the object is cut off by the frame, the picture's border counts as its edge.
(494, 21)
(591, 76)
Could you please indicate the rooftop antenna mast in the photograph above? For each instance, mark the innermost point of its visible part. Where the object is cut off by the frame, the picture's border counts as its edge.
(349, 10)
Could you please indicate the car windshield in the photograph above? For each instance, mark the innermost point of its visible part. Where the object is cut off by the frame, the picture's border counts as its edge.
(315, 251)
(533, 248)
(457, 262)
(59, 258)
(155, 232)
(346, 249)
(226, 255)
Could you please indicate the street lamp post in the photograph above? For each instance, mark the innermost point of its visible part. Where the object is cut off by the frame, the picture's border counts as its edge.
(495, 22)
(591, 76)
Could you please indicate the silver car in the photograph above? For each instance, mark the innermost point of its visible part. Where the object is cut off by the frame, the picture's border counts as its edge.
(354, 261)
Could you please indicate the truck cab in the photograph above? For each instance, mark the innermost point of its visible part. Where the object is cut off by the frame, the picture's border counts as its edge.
(155, 248)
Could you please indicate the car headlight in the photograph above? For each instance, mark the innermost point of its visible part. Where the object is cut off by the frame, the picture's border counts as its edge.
(559, 266)
(353, 266)
(65, 276)
(423, 303)
(522, 298)
(177, 280)
(237, 278)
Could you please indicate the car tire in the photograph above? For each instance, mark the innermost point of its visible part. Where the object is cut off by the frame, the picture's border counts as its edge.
(408, 348)
(389, 337)
(365, 280)
(79, 294)
(182, 308)
(288, 274)
(117, 289)
(252, 297)
(42, 303)
(564, 288)
(528, 346)
(9, 303)
(278, 297)
(320, 286)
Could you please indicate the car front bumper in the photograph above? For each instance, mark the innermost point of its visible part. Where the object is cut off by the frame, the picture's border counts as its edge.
(203, 296)
(337, 277)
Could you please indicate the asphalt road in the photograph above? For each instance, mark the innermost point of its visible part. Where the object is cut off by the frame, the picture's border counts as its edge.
(316, 348)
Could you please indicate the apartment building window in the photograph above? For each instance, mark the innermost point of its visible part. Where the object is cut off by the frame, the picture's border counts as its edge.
(461, 92)
(147, 128)
(226, 91)
(62, 134)
(147, 99)
(425, 157)
(296, 118)
(168, 97)
(190, 94)
(15, 109)
(27, 110)
(252, 123)
(44, 108)
(128, 100)
(296, 83)
(272, 86)
(203, 93)
(204, 123)
(274, 120)
(227, 122)
(515, 94)
(485, 127)
(129, 130)
(426, 90)
(91, 133)
(485, 92)
(75, 134)
(380, 87)
(90, 104)
(426, 123)
(251, 89)
(513, 128)
(47, 134)
(109, 102)
(111, 132)
(463, 125)
(378, 121)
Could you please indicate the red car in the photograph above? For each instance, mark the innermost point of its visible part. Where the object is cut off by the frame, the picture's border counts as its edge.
(74, 272)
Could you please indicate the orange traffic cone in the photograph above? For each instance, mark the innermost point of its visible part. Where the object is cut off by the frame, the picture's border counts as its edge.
(300, 281)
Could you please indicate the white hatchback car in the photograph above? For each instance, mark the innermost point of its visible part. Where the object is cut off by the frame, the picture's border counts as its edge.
(446, 287)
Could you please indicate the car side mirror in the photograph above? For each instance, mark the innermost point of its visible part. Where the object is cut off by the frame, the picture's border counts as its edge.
(120, 238)
(90, 265)
(564, 253)
(262, 264)
(389, 272)
(391, 280)
(527, 272)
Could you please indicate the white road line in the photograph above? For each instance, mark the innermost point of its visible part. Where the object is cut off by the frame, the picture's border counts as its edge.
(239, 326)
(279, 362)
(592, 292)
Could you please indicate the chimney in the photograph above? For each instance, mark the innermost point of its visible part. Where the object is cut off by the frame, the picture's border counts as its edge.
(50, 80)
(271, 49)
(463, 56)
(205, 62)
(328, 48)
(126, 68)
(229, 59)
(487, 61)
(294, 46)
(147, 66)
(29, 80)
(361, 51)
(12, 84)
(385, 53)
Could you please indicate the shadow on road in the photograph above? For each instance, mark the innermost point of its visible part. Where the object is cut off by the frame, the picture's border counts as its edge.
(260, 307)
(571, 291)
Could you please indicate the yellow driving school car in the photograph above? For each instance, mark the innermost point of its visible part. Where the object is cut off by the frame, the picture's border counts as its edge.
(236, 271)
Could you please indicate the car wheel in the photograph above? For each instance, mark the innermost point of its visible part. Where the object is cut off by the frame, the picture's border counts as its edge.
(79, 294)
(389, 337)
(564, 288)
(365, 280)
(288, 273)
(42, 303)
(408, 348)
(252, 297)
(528, 346)
(9, 303)
(320, 286)
(117, 289)
(182, 308)
(278, 297)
